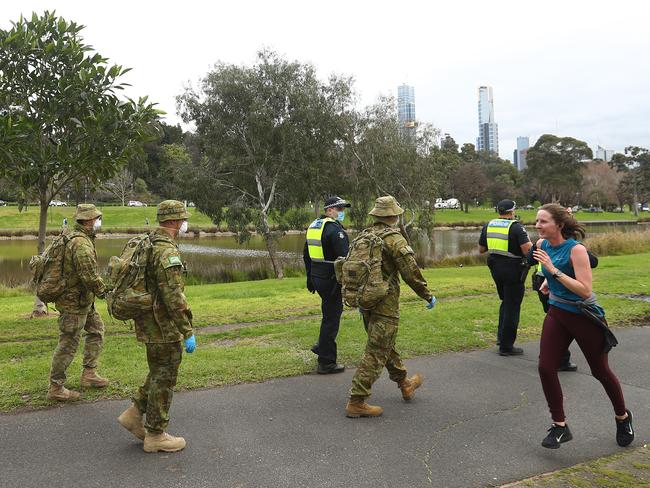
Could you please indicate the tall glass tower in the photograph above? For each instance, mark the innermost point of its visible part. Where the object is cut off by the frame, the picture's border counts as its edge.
(488, 129)
(406, 109)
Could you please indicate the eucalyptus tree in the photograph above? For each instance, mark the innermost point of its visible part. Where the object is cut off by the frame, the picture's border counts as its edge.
(635, 164)
(263, 131)
(554, 167)
(61, 115)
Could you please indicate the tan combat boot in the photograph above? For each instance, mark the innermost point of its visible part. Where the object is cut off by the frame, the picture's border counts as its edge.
(131, 420)
(90, 379)
(162, 442)
(357, 407)
(409, 385)
(62, 394)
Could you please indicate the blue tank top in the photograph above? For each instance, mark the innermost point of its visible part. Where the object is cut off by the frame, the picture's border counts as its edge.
(561, 258)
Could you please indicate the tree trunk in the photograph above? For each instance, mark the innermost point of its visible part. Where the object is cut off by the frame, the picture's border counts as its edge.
(270, 246)
(466, 207)
(40, 308)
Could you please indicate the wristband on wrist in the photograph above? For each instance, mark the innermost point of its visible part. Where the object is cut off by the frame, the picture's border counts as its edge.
(558, 274)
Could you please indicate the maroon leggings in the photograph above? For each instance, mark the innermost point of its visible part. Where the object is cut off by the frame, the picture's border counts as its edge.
(560, 328)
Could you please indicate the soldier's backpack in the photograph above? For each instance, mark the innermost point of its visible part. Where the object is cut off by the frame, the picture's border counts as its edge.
(359, 273)
(128, 297)
(48, 277)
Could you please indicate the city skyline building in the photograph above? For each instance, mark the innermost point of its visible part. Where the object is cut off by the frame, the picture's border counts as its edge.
(406, 109)
(604, 154)
(519, 156)
(488, 129)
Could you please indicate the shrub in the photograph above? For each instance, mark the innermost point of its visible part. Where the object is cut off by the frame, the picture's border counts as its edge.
(296, 218)
(618, 243)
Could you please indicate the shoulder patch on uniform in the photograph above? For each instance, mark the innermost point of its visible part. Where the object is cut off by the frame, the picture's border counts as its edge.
(170, 261)
(406, 250)
(341, 235)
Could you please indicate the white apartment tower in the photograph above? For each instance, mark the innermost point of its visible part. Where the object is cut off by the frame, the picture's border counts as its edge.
(488, 130)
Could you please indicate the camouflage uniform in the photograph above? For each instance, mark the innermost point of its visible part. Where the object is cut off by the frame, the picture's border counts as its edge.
(77, 304)
(382, 322)
(169, 323)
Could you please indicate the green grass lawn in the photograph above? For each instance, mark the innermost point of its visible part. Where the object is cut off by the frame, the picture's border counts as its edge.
(114, 217)
(284, 323)
(483, 215)
(125, 218)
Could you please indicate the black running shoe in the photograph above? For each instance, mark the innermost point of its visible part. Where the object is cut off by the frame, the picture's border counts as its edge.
(556, 436)
(624, 430)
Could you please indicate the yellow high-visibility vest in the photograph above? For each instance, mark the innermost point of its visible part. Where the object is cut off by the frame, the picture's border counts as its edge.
(314, 240)
(497, 237)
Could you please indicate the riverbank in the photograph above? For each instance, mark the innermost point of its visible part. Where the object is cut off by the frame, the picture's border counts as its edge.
(255, 331)
(134, 220)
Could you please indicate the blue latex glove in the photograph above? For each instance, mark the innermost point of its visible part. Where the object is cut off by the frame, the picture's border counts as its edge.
(432, 303)
(190, 344)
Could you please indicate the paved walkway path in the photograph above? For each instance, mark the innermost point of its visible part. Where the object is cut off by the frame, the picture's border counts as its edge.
(477, 421)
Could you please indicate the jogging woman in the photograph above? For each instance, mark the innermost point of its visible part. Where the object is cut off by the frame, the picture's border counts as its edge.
(568, 279)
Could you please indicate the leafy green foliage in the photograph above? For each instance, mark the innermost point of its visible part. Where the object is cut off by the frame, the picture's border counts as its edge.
(554, 167)
(61, 118)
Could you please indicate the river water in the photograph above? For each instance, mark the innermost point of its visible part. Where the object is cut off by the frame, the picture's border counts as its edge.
(222, 259)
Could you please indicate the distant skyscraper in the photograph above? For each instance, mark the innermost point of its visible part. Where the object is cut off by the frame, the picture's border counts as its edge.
(406, 109)
(604, 154)
(488, 130)
(523, 144)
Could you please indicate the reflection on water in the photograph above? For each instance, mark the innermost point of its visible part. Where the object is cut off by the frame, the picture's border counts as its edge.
(218, 259)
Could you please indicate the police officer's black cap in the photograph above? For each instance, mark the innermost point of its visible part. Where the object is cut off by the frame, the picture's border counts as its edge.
(505, 206)
(336, 202)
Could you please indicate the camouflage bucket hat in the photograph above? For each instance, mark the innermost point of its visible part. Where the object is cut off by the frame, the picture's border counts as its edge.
(172, 210)
(386, 207)
(86, 211)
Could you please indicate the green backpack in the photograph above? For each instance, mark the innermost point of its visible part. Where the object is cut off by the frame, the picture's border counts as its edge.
(359, 273)
(48, 277)
(128, 297)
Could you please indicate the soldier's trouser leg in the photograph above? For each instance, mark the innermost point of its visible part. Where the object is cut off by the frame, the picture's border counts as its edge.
(154, 398)
(70, 326)
(93, 339)
(379, 352)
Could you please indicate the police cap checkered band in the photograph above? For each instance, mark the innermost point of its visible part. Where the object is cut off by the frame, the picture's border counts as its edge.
(505, 206)
(335, 202)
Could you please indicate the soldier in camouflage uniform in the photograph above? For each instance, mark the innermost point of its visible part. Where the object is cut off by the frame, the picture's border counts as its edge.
(382, 322)
(162, 331)
(77, 307)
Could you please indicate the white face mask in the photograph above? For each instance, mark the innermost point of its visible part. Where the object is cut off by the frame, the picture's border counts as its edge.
(97, 225)
(183, 228)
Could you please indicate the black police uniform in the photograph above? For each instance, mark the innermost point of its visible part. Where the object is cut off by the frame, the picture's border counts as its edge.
(322, 279)
(508, 274)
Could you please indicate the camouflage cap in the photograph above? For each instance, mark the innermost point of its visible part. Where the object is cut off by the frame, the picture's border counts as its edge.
(172, 210)
(86, 211)
(386, 207)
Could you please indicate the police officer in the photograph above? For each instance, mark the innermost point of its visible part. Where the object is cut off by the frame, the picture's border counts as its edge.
(326, 241)
(507, 243)
(77, 307)
(382, 321)
(163, 332)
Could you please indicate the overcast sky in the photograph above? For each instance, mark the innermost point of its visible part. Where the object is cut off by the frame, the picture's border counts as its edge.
(570, 67)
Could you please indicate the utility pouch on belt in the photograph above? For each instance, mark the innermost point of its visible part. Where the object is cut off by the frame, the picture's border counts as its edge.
(537, 281)
(595, 313)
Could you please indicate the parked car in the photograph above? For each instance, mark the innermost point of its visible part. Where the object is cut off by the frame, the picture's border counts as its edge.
(58, 203)
(3, 203)
(594, 209)
(645, 208)
(136, 203)
(576, 208)
(618, 210)
(450, 203)
(528, 207)
(190, 204)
